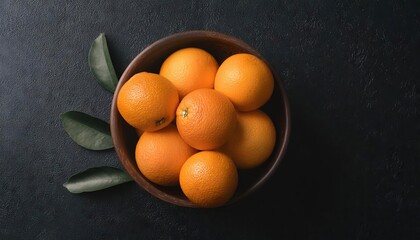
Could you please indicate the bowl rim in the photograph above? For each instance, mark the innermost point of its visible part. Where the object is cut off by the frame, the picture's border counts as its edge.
(144, 184)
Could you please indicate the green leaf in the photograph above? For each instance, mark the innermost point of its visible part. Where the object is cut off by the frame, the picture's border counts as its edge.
(97, 178)
(101, 65)
(87, 131)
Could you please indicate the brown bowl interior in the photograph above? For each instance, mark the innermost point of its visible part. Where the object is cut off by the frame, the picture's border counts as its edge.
(220, 46)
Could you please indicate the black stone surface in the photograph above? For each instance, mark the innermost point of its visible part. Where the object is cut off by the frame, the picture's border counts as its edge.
(352, 71)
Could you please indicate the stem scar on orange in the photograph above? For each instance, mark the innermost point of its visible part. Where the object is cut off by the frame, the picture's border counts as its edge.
(147, 101)
(205, 119)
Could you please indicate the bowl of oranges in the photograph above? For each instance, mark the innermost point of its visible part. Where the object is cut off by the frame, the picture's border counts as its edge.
(200, 119)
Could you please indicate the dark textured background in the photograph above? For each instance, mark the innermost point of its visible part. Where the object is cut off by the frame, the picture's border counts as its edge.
(352, 71)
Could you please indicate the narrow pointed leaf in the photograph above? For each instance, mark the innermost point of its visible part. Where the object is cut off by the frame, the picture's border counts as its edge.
(101, 65)
(87, 131)
(97, 178)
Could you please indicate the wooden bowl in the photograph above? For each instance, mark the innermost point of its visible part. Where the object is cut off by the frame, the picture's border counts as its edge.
(220, 46)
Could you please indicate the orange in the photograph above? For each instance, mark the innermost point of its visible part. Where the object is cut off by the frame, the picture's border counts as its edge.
(205, 119)
(209, 179)
(253, 141)
(147, 101)
(189, 69)
(246, 80)
(161, 154)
